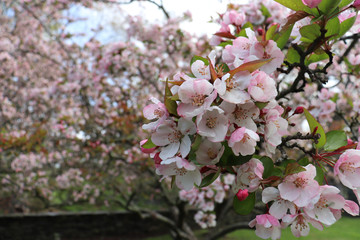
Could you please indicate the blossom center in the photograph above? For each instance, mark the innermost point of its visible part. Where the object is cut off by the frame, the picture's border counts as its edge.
(245, 138)
(300, 182)
(180, 171)
(175, 136)
(230, 84)
(198, 100)
(211, 122)
(211, 153)
(158, 112)
(347, 167)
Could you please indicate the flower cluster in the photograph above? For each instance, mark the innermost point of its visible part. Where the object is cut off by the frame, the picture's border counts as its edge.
(229, 105)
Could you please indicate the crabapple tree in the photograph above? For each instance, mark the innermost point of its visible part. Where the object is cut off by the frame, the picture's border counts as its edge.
(271, 112)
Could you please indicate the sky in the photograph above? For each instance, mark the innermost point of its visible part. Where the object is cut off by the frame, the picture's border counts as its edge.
(202, 12)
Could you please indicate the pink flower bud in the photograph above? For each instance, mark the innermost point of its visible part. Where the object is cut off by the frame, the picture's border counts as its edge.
(146, 150)
(157, 159)
(356, 4)
(299, 110)
(242, 194)
(311, 3)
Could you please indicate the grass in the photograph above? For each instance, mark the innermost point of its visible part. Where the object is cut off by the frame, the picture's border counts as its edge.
(345, 229)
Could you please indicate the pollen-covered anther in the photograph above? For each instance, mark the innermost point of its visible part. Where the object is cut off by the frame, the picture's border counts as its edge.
(211, 153)
(347, 167)
(300, 182)
(158, 112)
(198, 100)
(180, 171)
(230, 84)
(211, 122)
(175, 136)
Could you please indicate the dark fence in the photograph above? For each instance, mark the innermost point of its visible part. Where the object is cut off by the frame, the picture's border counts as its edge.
(79, 226)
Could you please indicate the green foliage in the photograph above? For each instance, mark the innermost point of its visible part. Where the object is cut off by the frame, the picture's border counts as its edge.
(316, 57)
(335, 140)
(315, 124)
(148, 144)
(268, 166)
(195, 58)
(209, 179)
(333, 27)
(292, 56)
(310, 32)
(282, 37)
(170, 104)
(229, 159)
(319, 175)
(328, 6)
(293, 168)
(346, 25)
(345, 3)
(246, 206)
(265, 11)
(271, 31)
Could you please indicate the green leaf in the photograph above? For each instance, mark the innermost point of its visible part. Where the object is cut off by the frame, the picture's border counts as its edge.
(244, 207)
(295, 5)
(277, 172)
(225, 68)
(209, 179)
(271, 31)
(316, 58)
(261, 105)
(304, 161)
(313, 124)
(223, 44)
(293, 168)
(170, 104)
(195, 58)
(292, 56)
(335, 140)
(319, 175)
(346, 25)
(149, 144)
(268, 166)
(310, 32)
(265, 11)
(345, 3)
(195, 146)
(332, 27)
(282, 37)
(328, 6)
(229, 159)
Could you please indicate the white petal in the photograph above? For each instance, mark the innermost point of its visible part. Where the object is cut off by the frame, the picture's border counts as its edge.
(169, 151)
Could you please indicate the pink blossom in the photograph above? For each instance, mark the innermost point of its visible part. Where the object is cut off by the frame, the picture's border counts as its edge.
(321, 210)
(173, 138)
(243, 141)
(280, 206)
(262, 87)
(232, 89)
(249, 175)
(300, 224)
(186, 173)
(311, 3)
(196, 96)
(242, 115)
(267, 226)
(209, 153)
(213, 124)
(347, 168)
(300, 188)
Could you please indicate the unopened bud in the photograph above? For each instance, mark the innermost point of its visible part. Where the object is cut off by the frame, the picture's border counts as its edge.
(292, 124)
(145, 150)
(242, 194)
(299, 110)
(157, 159)
(204, 169)
(356, 4)
(311, 3)
(260, 31)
